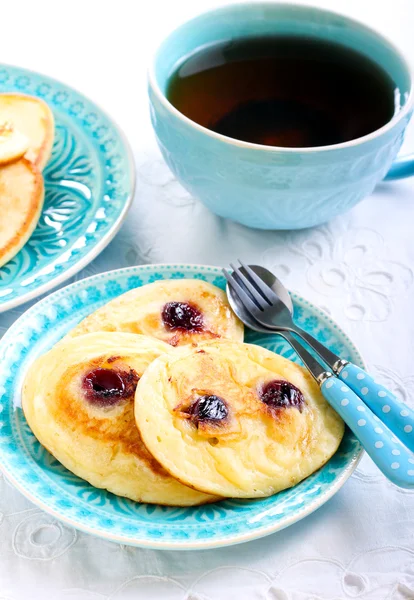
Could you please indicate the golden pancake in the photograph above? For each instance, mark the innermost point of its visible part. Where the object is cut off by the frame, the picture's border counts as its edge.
(79, 402)
(13, 144)
(184, 311)
(21, 202)
(235, 419)
(33, 118)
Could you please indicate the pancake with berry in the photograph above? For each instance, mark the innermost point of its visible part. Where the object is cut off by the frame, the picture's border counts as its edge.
(177, 311)
(79, 402)
(234, 419)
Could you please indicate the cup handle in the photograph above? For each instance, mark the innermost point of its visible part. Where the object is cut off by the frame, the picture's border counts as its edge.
(401, 167)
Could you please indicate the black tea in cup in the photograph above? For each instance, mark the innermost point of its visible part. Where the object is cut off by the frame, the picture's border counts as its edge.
(284, 91)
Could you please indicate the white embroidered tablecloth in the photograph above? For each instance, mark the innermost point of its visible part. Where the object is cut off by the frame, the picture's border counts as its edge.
(359, 268)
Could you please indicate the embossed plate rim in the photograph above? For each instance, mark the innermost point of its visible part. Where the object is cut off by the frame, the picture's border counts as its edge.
(147, 539)
(100, 245)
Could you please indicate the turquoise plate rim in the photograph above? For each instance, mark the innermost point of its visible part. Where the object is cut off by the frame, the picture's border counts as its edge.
(100, 244)
(10, 339)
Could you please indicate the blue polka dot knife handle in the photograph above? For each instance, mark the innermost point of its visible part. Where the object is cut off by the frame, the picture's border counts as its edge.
(395, 414)
(390, 456)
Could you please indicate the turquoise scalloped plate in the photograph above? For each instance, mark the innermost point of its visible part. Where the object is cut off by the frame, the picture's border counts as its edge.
(89, 184)
(49, 485)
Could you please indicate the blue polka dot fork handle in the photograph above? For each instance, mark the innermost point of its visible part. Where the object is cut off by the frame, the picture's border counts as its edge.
(397, 415)
(383, 424)
(386, 450)
(389, 454)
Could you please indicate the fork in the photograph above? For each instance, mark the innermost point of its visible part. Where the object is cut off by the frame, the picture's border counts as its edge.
(357, 402)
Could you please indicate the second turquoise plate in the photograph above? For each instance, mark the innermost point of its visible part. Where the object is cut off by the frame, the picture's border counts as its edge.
(48, 484)
(89, 185)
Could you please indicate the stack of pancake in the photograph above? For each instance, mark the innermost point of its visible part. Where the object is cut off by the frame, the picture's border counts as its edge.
(155, 397)
(26, 140)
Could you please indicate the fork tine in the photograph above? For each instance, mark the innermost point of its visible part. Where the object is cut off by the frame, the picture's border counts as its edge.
(264, 289)
(236, 277)
(245, 283)
(249, 305)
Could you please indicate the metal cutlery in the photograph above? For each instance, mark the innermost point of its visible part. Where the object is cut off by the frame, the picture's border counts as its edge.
(265, 305)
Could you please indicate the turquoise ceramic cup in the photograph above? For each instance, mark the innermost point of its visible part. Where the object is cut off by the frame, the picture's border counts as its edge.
(273, 187)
